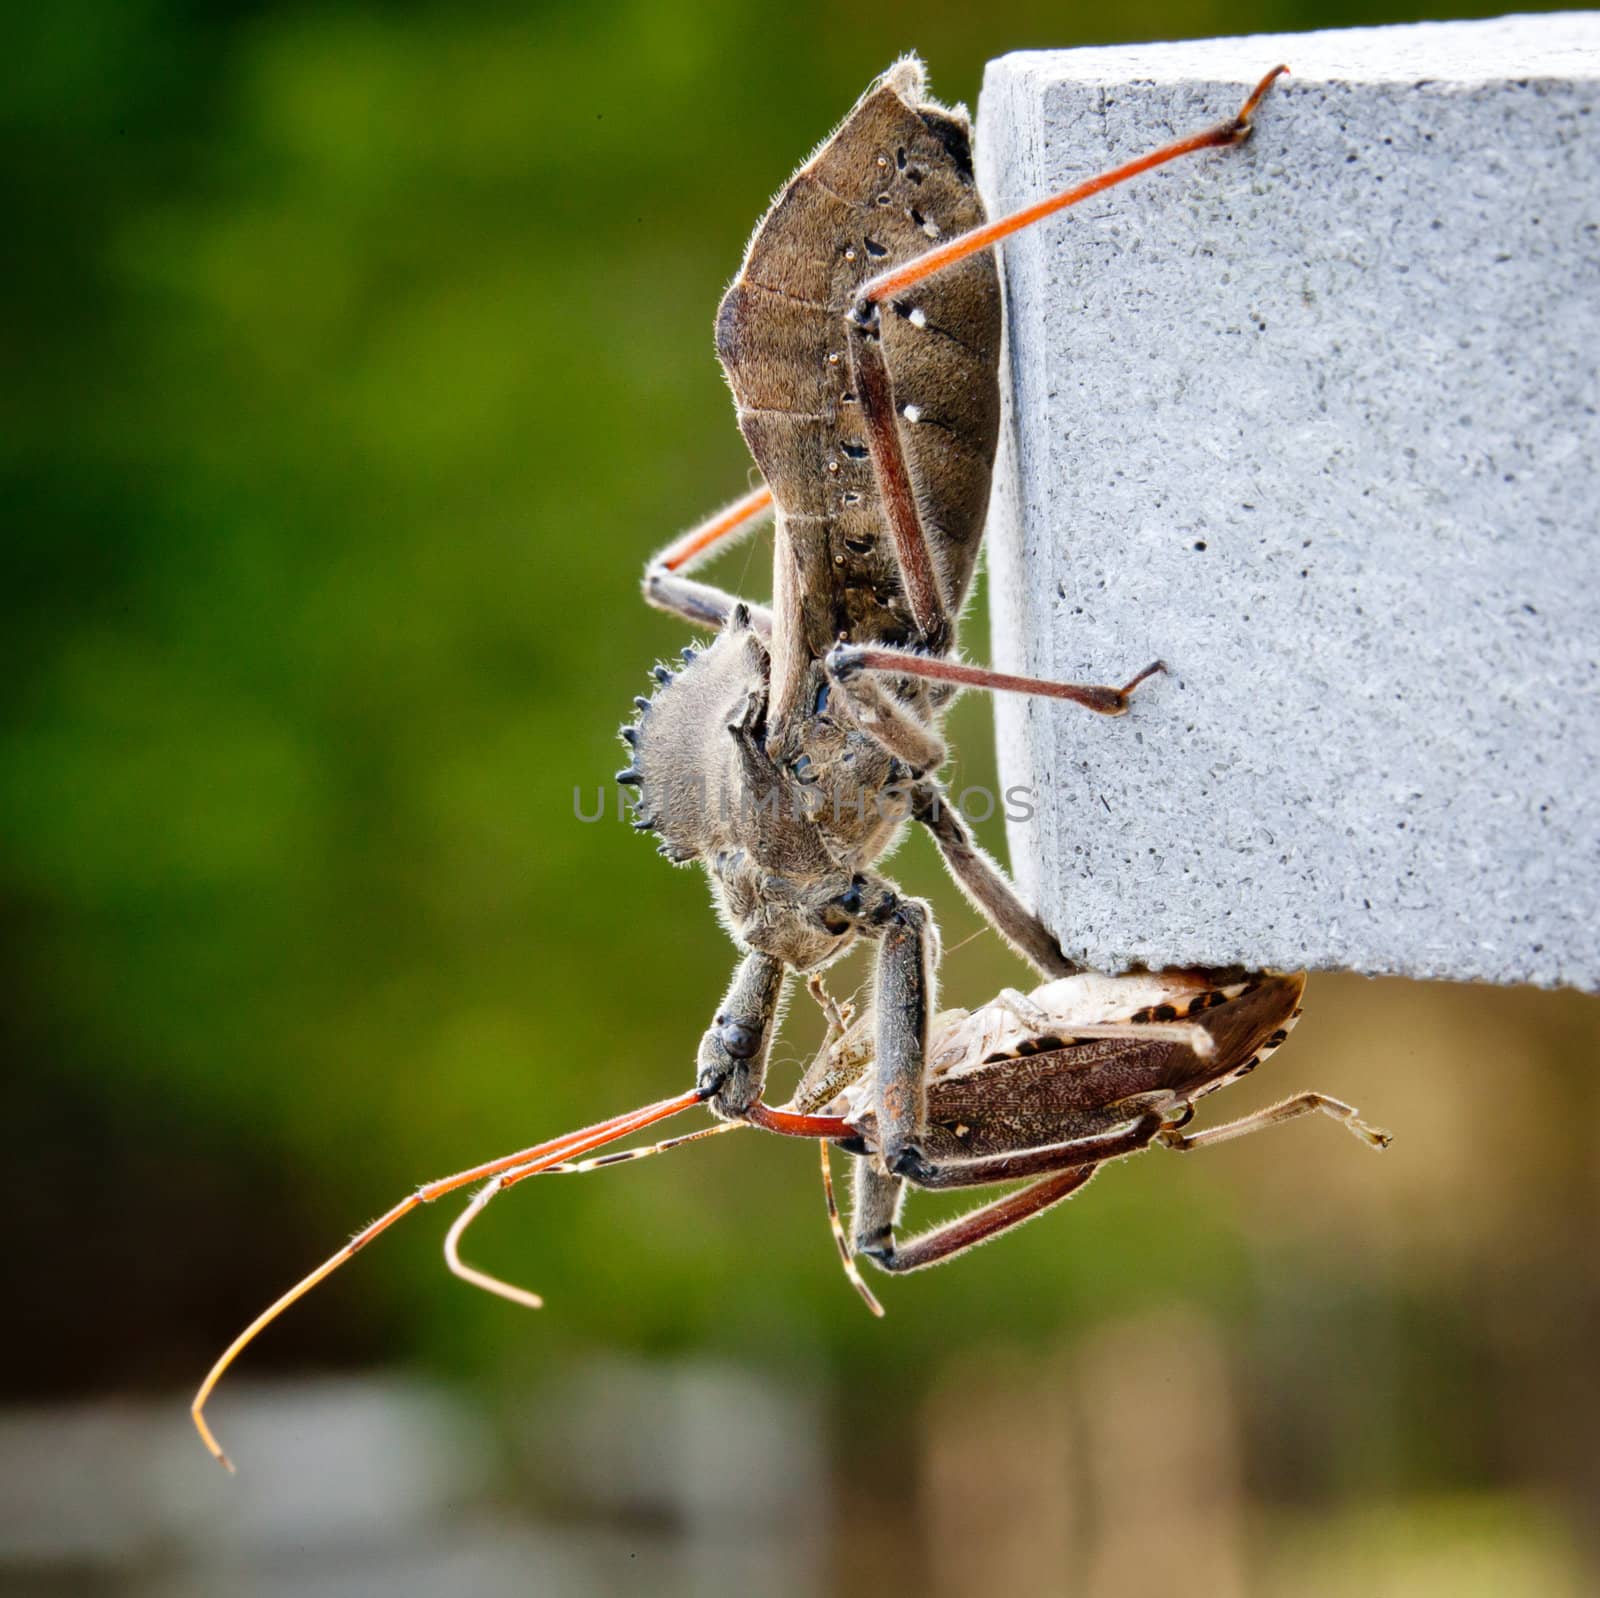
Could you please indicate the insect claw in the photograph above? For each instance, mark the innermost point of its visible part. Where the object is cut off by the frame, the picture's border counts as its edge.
(661, 675)
(645, 824)
(1153, 669)
(845, 661)
(689, 652)
(912, 1164)
(641, 704)
(880, 1248)
(629, 735)
(631, 777)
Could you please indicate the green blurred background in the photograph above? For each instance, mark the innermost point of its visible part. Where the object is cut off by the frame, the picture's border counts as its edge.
(356, 357)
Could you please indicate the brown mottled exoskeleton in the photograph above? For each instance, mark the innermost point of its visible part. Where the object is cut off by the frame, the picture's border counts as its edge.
(862, 342)
(786, 756)
(1051, 1085)
(1044, 1088)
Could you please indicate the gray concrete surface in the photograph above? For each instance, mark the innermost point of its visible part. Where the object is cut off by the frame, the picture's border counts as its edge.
(1317, 421)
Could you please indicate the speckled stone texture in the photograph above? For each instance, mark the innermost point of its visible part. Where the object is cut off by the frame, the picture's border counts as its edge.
(1317, 421)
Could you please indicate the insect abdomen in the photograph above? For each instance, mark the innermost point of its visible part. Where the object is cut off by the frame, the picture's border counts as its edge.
(892, 181)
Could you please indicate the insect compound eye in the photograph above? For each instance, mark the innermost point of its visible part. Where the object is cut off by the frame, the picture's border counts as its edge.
(740, 1039)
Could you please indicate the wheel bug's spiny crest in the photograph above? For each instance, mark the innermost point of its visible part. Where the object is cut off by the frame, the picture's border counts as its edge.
(710, 788)
(861, 340)
(865, 370)
(681, 752)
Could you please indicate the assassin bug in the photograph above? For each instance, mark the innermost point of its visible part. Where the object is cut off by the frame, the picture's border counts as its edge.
(862, 342)
(1048, 1087)
(1045, 1087)
(787, 755)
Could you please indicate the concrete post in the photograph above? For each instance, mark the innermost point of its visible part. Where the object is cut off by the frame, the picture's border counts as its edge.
(1318, 421)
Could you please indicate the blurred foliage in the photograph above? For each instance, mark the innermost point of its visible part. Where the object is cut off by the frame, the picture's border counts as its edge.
(357, 358)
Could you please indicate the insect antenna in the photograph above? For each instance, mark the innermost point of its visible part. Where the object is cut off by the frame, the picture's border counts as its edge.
(846, 1258)
(525, 1162)
(603, 1162)
(480, 1202)
(498, 1184)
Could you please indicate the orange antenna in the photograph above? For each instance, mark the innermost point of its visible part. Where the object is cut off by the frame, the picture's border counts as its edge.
(772, 1120)
(525, 1162)
(480, 1200)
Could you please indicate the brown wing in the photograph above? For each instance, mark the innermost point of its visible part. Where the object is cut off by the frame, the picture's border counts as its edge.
(1052, 1094)
(895, 178)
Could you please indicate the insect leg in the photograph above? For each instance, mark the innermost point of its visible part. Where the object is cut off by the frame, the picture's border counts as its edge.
(897, 279)
(985, 885)
(1068, 1165)
(668, 588)
(917, 576)
(944, 1175)
(1290, 1110)
(876, 1200)
(902, 1003)
(903, 734)
(732, 1061)
(876, 394)
(978, 1226)
(840, 1016)
(845, 662)
(895, 492)
(843, 1059)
